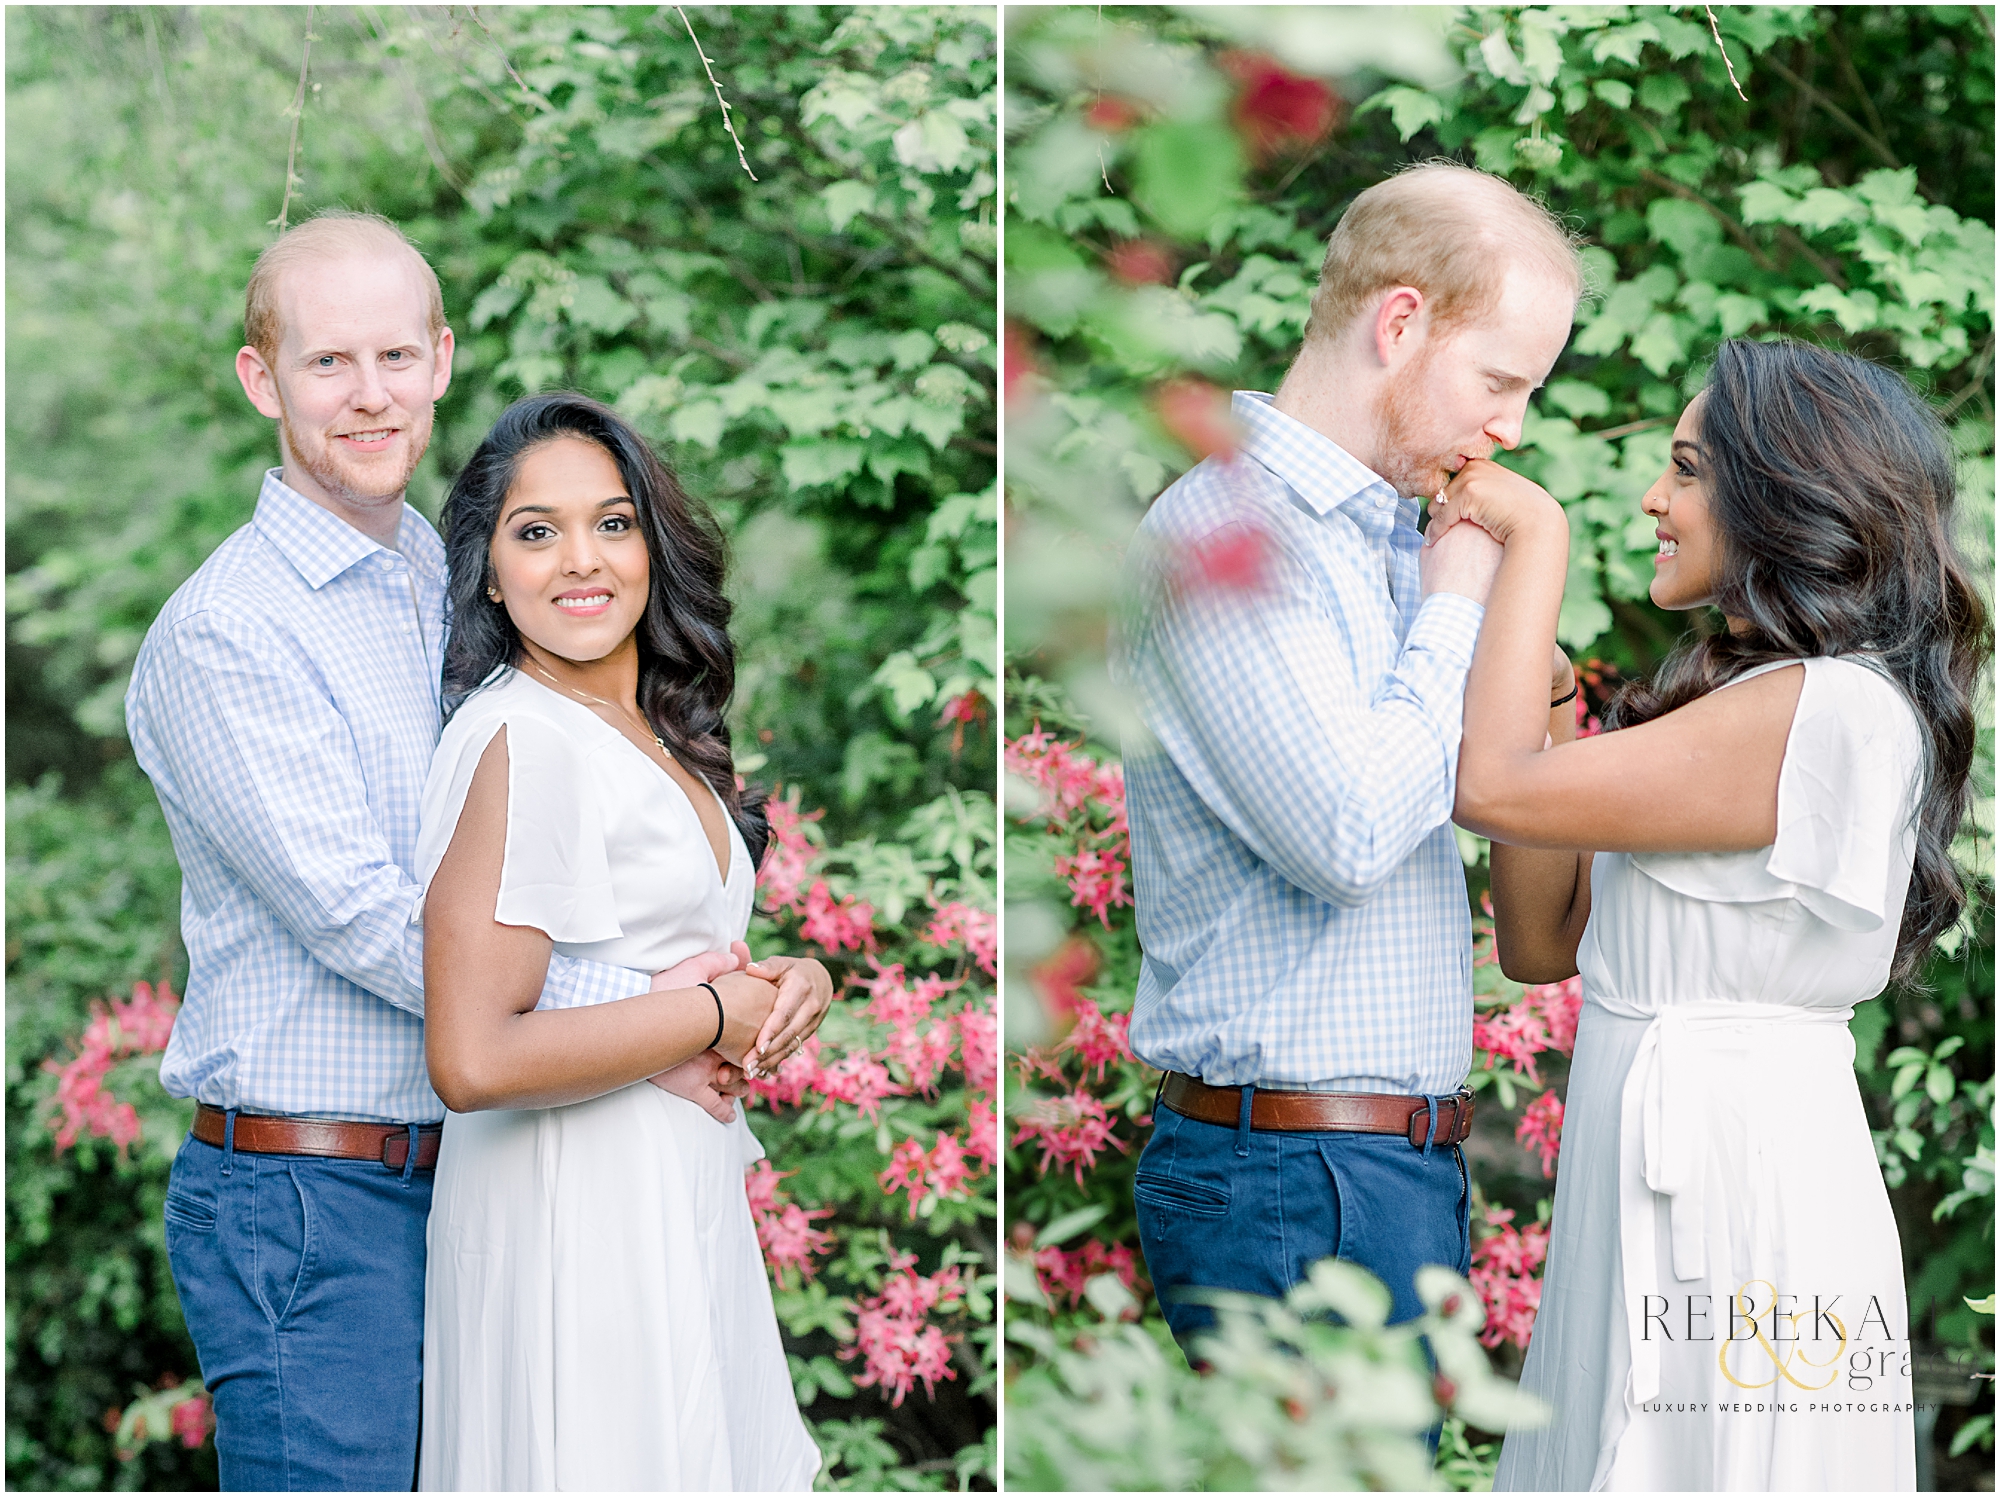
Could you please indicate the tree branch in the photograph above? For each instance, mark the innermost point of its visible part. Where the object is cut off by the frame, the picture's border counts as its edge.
(1736, 230)
(298, 114)
(1833, 109)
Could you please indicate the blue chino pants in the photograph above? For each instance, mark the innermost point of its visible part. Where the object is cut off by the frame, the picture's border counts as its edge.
(302, 1282)
(1228, 1208)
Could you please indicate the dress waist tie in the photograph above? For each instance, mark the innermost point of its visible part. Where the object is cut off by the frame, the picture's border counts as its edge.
(1663, 1151)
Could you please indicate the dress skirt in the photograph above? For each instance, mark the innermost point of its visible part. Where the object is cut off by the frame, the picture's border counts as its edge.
(596, 1310)
(1723, 1304)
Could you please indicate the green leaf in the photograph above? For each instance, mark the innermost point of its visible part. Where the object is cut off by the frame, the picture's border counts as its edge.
(1183, 175)
(1664, 93)
(1071, 1224)
(845, 200)
(808, 465)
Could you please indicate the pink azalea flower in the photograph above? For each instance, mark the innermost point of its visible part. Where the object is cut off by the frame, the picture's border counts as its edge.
(976, 929)
(979, 1044)
(785, 1230)
(789, 856)
(1066, 1273)
(140, 1025)
(1540, 1129)
(1506, 1270)
(982, 1130)
(837, 925)
(1070, 1131)
(1097, 1040)
(897, 1345)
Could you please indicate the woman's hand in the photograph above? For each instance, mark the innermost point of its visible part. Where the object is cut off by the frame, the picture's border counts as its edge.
(1499, 501)
(805, 992)
(708, 1080)
(748, 1001)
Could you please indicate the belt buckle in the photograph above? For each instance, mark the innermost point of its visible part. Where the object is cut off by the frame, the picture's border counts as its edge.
(389, 1141)
(1459, 1102)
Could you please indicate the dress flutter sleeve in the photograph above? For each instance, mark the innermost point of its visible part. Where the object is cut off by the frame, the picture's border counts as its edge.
(555, 874)
(1846, 798)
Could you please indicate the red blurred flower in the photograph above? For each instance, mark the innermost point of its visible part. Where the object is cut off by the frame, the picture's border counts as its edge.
(959, 711)
(1141, 262)
(1017, 362)
(1061, 977)
(1111, 114)
(1233, 561)
(1196, 414)
(1276, 107)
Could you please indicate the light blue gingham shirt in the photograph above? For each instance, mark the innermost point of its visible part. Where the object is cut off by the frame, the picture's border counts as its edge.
(1300, 897)
(285, 705)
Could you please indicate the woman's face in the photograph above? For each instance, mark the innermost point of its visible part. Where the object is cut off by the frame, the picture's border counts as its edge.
(1684, 570)
(569, 563)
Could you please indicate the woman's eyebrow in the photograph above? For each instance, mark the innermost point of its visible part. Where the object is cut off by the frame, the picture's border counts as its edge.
(1694, 447)
(549, 509)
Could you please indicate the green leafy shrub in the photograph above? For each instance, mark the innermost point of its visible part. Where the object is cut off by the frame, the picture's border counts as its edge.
(1172, 179)
(815, 350)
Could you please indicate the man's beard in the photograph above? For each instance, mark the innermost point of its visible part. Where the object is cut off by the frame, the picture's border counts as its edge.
(1403, 432)
(345, 481)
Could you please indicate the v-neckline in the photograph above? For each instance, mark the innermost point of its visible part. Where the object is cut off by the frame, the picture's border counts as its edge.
(728, 822)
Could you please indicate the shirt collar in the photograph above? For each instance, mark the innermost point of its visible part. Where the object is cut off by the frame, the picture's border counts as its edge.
(1318, 469)
(322, 546)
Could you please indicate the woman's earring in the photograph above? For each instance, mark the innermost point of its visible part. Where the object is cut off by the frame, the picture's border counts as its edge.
(493, 593)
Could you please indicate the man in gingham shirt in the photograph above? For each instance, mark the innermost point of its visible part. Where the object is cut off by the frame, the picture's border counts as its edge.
(1299, 662)
(285, 705)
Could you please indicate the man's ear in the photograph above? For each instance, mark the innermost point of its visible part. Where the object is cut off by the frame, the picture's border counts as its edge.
(1401, 319)
(258, 381)
(442, 381)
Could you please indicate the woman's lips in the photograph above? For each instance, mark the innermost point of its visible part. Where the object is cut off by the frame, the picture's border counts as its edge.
(583, 605)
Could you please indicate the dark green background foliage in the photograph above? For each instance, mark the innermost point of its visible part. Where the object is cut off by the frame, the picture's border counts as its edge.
(814, 350)
(1848, 200)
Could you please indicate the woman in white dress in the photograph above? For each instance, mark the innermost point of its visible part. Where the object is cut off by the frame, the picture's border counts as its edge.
(596, 1311)
(1762, 845)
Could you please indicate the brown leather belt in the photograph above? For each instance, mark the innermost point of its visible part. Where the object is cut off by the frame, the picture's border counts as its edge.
(258, 1133)
(1306, 1112)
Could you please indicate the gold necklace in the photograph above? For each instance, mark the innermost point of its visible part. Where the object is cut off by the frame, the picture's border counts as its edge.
(575, 691)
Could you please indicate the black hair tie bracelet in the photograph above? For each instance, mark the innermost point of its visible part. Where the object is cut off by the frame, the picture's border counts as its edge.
(718, 1012)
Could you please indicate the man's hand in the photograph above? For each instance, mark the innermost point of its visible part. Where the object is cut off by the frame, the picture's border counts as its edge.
(703, 967)
(1499, 501)
(1463, 561)
(1562, 676)
(805, 992)
(708, 1081)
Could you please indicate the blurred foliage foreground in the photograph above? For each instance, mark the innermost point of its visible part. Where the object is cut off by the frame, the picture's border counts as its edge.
(1172, 175)
(814, 348)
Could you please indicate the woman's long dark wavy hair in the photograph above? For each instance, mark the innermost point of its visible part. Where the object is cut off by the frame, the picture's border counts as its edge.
(687, 664)
(1832, 491)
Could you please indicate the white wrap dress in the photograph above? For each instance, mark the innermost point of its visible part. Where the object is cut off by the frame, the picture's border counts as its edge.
(1723, 1306)
(597, 1315)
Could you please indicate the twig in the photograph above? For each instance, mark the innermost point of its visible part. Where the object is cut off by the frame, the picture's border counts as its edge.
(742, 159)
(1716, 32)
(507, 62)
(1984, 368)
(1736, 230)
(1611, 433)
(298, 114)
(1854, 126)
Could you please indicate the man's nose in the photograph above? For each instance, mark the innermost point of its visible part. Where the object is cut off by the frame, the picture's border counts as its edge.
(1505, 429)
(371, 391)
